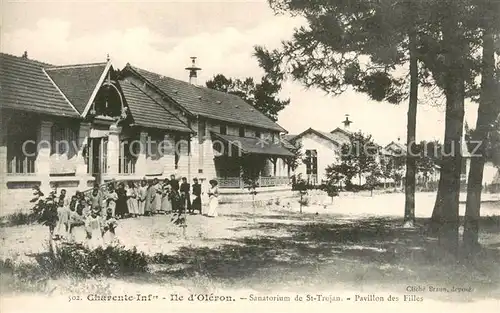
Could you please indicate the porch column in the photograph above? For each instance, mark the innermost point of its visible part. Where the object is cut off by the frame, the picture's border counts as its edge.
(81, 163)
(42, 163)
(3, 151)
(168, 159)
(83, 136)
(274, 160)
(140, 164)
(113, 150)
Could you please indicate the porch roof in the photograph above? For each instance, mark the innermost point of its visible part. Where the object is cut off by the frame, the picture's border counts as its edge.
(255, 145)
(148, 113)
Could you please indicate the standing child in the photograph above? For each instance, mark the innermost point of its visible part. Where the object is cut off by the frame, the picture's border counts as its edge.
(109, 225)
(94, 230)
(63, 217)
(78, 233)
(111, 198)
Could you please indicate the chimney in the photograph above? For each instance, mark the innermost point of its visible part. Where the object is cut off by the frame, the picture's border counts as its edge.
(193, 72)
(347, 122)
(25, 55)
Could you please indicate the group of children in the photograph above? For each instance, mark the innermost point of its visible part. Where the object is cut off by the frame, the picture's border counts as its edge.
(78, 222)
(91, 219)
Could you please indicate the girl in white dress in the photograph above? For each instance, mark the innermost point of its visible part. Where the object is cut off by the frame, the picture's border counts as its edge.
(63, 219)
(109, 224)
(78, 231)
(213, 200)
(94, 229)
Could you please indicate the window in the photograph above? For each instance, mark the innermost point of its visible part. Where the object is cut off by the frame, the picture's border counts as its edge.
(63, 140)
(258, 134)
(223, 129)
(311, 162)
(128, 157)
(107, 102)
(21, 146)
(154, 152)
(242, 131)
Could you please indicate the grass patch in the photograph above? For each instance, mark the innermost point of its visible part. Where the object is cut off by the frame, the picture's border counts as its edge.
(72, 262)
(18, 218)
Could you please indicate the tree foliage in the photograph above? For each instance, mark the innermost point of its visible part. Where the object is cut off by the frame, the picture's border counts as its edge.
(295, 160)
(358, 158)
(263, 96)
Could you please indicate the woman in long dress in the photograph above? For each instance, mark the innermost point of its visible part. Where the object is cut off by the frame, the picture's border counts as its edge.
(213, 201)
(166, 204)
(196, 203)
(132, 199)
(158, 197)
(94, 230)
(141, 197)
(150, 197)
(121, 203)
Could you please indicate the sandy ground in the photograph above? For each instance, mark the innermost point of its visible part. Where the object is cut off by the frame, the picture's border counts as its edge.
(272, 250)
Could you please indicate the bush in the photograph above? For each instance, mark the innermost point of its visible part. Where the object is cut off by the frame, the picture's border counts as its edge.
(277, 201)
(110, 261)
(18, 218)
(304, 201)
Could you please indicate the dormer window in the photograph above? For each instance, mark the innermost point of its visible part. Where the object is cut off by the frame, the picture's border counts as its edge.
(108, 102)
(242, 131)
(223, 129)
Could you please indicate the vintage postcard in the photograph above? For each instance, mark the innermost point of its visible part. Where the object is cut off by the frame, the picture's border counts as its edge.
(244, 156)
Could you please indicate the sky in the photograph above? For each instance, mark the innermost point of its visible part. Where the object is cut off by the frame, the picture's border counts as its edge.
(161, 36)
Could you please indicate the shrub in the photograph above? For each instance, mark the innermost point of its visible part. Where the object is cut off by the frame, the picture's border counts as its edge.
(109, 261)
(304, 201)
(18, 218)
(277, 201)
(269, 202)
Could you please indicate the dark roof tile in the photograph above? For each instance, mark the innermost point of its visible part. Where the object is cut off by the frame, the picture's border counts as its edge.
(208, 102)
(24, 85)
(148, 113)
(77, 82)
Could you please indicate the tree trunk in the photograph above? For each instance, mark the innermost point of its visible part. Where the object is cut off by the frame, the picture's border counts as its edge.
(409, 216)
(447, 201)
(485, 116)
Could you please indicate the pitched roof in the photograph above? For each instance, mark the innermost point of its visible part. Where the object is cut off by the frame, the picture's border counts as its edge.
(24, 85)
(148, 113)
(289, 137)
(393, 146)
(208, 102)
(335, 134)
(328, 136)
(287, 144)
(255, 145)
(77, 82)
